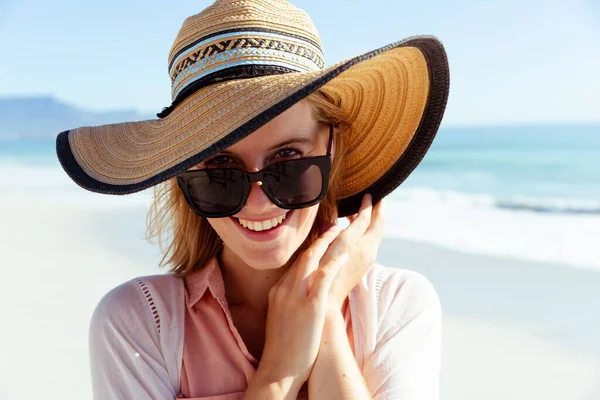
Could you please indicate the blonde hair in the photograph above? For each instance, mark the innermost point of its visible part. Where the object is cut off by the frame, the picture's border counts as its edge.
(188, 241)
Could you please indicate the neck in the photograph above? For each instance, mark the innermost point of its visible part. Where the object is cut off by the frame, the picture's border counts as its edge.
(246, 286)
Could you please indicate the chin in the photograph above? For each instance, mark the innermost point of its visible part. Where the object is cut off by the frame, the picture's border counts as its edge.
(265, 260)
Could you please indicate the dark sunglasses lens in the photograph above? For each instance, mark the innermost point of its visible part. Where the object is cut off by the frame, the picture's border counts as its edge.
(295, 182)
(217, 191)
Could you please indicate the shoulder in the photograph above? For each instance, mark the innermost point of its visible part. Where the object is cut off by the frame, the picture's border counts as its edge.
(400, 293)
(138, 291)
(137, 300)
(135, 335)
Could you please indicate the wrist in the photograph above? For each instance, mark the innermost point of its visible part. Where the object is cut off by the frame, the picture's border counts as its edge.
(335, 307)
(334, 322)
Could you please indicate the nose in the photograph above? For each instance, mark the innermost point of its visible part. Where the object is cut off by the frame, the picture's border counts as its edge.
(257, 202)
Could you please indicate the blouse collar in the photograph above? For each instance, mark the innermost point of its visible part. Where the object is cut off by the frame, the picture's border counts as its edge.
(210, 277)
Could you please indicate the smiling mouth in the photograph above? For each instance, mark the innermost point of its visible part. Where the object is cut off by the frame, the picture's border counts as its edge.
(261, 225)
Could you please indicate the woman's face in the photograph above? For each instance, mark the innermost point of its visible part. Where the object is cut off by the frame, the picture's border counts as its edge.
(262, 235)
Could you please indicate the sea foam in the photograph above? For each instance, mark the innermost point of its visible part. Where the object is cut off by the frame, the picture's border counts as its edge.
(479, 224)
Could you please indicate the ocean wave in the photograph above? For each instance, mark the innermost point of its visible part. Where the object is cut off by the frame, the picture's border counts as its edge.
(476, 224)
(553, 206)
(515, 203)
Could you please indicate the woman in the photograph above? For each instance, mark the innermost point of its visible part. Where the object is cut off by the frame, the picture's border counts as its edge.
(260, 152)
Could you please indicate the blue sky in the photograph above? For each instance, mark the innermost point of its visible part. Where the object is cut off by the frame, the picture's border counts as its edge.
(512, 62)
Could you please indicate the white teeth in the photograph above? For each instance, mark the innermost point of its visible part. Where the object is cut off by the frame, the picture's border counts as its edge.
(261, 225)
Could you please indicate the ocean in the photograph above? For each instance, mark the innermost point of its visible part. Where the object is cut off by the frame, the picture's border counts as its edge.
(546, 169)
(520, 192)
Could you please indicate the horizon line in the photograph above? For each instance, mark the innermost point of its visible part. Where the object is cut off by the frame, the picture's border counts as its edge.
(450, 124)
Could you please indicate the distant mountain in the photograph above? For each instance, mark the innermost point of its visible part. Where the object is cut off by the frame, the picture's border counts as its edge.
(45, 117)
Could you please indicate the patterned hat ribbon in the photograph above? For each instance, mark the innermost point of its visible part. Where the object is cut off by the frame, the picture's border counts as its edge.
(247, 51)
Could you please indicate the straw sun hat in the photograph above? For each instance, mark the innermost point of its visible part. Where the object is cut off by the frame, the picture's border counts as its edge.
(240, 63)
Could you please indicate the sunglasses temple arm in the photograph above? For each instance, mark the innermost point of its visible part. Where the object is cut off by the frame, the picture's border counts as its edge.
(330, 139)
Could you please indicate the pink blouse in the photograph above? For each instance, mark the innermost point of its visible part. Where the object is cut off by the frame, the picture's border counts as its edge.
(216, 363)
(153, 338)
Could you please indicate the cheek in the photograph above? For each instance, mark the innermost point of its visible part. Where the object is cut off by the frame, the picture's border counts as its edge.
(222, 226)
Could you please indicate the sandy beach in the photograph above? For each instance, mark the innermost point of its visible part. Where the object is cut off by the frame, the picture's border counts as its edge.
(512, 329)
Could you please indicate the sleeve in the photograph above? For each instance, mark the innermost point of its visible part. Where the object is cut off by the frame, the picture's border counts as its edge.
(125, 354)
(405, 364)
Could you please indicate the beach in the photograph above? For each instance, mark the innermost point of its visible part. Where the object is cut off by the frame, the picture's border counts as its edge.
(512, 329)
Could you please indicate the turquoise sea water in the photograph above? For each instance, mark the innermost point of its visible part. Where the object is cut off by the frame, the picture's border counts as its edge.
(553, 168)
(540, 168)
(538, 161)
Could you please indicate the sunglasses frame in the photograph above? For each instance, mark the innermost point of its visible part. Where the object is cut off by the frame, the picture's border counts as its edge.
(322, 162)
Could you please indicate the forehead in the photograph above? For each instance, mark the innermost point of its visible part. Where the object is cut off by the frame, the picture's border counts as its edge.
(297, 121)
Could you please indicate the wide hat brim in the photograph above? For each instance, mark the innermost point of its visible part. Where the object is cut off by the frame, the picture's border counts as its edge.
(395, 96)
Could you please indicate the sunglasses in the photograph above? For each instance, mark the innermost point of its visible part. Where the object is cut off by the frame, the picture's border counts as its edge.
(291, 184)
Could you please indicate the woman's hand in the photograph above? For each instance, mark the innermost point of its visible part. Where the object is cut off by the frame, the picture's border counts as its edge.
(360, 240)
(296, 315)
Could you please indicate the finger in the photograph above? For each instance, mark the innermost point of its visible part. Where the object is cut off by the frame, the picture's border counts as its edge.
(363, 219)
(352, 235)
(308, 261)
(377, 221)
(323, 277)
(378, 217)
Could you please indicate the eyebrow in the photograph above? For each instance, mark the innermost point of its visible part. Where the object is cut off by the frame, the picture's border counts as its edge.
(303, 140)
